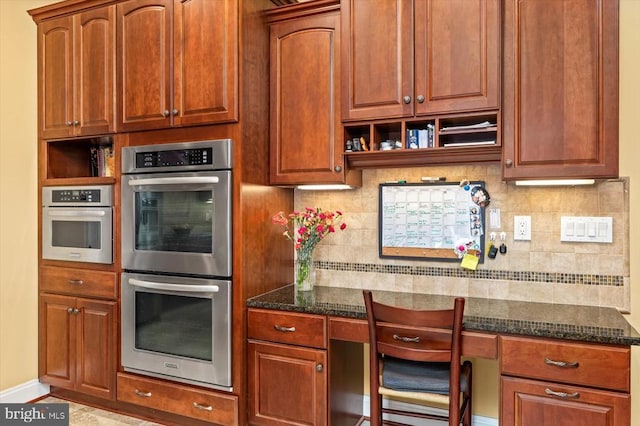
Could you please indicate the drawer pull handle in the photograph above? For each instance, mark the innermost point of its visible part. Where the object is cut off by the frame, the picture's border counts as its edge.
(284, 329)
(76, 282)
(143, 394)
(406, 339)
(562, 364)
(574, 395)
(202, 407)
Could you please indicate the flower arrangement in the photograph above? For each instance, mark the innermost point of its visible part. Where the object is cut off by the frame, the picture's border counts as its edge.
(306, 229)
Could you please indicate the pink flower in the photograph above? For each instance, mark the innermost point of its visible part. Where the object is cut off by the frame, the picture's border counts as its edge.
(308, 227)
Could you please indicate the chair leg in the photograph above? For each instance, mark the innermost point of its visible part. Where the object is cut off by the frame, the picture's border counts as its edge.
(466, 420)
(375, 414)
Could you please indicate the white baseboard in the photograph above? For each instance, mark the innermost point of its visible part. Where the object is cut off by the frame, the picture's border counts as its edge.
(475, 420)
(24, 392)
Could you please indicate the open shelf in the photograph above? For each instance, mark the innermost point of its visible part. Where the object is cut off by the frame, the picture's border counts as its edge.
(442, 140)
(80, 159)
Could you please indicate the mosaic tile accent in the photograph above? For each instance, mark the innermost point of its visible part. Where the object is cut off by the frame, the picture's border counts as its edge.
(487, 274)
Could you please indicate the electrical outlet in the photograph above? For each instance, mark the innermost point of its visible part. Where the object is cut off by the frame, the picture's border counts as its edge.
(522, 228)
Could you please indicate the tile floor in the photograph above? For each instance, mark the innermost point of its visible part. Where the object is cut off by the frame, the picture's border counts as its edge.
(83, 415)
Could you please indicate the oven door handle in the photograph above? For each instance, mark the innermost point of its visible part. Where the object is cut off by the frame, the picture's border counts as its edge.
(174, 287)
(76, 213)
(174, 180)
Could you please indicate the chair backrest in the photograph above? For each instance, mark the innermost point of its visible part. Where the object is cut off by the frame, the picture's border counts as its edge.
(418, 335)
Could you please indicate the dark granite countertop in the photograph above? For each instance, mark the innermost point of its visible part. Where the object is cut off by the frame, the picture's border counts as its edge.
(572, 322)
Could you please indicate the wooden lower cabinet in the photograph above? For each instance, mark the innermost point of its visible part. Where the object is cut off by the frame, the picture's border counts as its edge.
(561, 383)
(287, 384)
(287, 368)
(537, 403)
(78, 344)
(213, 407)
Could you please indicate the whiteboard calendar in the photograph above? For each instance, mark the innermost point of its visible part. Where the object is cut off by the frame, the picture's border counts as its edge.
(431, 221)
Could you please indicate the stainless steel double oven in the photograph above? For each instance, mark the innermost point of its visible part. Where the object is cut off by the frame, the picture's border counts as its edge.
(176, 256)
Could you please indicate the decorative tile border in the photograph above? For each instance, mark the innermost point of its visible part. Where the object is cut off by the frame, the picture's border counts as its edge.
(486, 274)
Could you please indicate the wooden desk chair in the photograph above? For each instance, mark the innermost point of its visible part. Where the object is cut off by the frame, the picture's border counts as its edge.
(411, 357)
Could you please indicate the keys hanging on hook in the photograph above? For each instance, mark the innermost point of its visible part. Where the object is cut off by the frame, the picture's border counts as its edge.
(503, 246)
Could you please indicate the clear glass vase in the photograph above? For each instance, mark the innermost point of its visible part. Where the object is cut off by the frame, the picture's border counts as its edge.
(304, 271)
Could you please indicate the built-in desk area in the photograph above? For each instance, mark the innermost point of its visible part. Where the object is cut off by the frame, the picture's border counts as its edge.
(323, 335)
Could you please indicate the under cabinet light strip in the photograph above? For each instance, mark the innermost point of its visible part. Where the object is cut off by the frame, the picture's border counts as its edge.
(555, 182)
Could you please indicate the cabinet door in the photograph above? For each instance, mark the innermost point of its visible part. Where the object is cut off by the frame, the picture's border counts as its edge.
(560, 89)
(306, 135)
(144, 71)
(287, 385)
(377, 59)
(96, 348)
(205, 61)
(55, 70)
(94, 37)
(57, 344)
(457, 56)
(530, 402)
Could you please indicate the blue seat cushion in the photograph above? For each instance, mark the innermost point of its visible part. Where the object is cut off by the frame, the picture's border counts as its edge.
(413, 376)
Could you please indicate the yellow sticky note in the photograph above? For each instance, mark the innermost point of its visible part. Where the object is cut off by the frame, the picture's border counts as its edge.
(470, 261)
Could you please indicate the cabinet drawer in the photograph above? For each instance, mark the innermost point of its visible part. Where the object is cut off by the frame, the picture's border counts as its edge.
(78, 282)
(288, 327)
(533, 402)
(178, 399)
(595, 365)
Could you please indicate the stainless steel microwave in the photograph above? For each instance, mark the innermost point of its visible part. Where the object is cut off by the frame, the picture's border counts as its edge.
(77, 223)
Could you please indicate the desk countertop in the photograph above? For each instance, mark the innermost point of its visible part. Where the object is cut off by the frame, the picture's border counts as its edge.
(571, 322)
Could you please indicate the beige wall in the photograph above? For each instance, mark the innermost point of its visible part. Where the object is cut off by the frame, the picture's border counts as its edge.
(629, 155)
(18, 183)
(18, 198)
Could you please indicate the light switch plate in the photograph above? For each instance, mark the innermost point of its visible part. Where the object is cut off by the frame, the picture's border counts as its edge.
(586, 229)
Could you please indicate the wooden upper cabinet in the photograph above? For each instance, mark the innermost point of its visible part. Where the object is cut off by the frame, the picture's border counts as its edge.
(178, 63)
(205, 61)
(76, 71)
(457, 55)
(306, 135)
(144, 70)
(560, 89)
(402, 58)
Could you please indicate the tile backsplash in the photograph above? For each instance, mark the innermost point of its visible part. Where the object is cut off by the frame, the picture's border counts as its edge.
(541, 270)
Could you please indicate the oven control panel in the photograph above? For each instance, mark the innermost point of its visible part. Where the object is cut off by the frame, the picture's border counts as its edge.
(75, 195)
(175, 158)
(65, 196)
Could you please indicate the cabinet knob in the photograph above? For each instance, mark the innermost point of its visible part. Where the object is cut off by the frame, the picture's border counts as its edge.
(174, 112)
(166, 113)
(420, 99)
(508, 162)
(407, 99)
(75, 311)
(319, 368)
(337, 169)
(69, 123)
(69, 310)
(76, 123)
